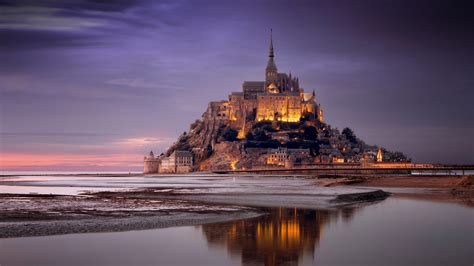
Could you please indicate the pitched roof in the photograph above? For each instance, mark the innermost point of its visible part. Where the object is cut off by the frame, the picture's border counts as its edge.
(182, 153)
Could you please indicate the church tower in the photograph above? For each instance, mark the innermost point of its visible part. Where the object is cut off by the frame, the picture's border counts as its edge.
(271, 71)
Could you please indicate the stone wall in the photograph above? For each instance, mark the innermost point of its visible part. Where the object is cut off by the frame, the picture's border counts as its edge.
(150, 166)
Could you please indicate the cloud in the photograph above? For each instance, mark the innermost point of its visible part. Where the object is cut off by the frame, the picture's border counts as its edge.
(137, 82)
(44, 161)
(144, 141)
(43, 18)
(55, 134)
(76, 150)
(47, 24)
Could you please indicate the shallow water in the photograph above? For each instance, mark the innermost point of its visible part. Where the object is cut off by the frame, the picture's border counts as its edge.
(212, 184)
(392, 232)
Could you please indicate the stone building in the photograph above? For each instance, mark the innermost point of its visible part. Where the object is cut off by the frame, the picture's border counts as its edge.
(277, 156)
(279, 106)
(150, 164)
(218, 110)
(177, 162)
(278, 98)
(286, 157)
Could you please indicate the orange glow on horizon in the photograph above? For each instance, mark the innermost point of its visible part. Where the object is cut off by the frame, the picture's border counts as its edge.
(19, 161)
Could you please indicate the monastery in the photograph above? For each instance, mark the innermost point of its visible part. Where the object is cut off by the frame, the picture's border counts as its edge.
(278, 98)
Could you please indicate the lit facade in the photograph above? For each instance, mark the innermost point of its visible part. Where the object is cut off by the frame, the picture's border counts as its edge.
(278, 98)
(379, 155)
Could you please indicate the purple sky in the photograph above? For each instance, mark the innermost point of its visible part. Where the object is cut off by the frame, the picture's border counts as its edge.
(114, 79)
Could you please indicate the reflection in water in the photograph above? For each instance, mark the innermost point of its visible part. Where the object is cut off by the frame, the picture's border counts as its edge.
(281, 237)
(392, 232)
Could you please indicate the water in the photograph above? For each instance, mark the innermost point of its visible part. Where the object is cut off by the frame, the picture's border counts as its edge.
(215, 184)
(441, 173)
(393, 232)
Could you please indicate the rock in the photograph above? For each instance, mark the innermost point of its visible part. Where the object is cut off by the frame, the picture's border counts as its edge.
(361, 197)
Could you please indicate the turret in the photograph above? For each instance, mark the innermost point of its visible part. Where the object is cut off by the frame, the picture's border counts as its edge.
(150, 164)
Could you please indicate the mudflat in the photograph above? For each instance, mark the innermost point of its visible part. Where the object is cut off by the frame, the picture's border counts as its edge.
(448, 188)
(114, 203)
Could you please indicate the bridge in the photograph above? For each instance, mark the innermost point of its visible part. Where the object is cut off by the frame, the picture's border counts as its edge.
(357, 169)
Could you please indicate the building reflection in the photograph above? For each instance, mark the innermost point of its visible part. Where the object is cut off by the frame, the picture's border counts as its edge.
(280, 238)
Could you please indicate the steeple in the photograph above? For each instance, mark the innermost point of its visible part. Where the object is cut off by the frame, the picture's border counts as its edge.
(271, 63)
(271, 71)
(271, 55)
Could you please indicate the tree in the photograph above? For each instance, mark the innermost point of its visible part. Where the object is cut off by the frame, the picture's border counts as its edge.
(260, 135)
(208, 151)
(350, 136)
(230, 134)
(250, 136)
(269, 128)
(307, 116)
(310, 133)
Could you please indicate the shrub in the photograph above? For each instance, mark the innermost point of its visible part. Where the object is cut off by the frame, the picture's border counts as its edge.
(230, 134)
(307, 117)
(350, 136)
(310, 133)
(250, 136)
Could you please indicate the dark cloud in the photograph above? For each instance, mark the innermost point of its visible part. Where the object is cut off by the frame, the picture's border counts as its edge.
(21, 40)
(97, 5)
(48, 24)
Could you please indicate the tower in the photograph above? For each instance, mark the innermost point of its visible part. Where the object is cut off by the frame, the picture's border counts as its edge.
(150, 164)
(271, 71)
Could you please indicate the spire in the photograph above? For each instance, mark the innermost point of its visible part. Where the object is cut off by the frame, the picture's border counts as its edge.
(271, 55)
(271, 63)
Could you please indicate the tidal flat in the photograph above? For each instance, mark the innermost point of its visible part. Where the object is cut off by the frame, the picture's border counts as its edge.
(235, 220)
(47, 205)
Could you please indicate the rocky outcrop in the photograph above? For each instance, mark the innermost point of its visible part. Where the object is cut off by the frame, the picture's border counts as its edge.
(361, 197)
(201, 138)
(225, 156)
(214, 144)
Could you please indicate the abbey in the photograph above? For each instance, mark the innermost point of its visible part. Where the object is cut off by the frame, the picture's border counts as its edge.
(278, 98)
(269, 123)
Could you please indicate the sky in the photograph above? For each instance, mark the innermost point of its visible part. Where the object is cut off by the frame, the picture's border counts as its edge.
(95, 85)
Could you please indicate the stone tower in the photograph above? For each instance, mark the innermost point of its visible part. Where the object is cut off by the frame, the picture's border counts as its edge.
(271, 71)
(150, 164)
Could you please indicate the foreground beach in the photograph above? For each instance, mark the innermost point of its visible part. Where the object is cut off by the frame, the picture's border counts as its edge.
(48, 205)
(121, 219)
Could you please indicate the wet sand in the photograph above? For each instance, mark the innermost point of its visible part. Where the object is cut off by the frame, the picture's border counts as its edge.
(456, 189)
(157, 201)
(37, 215)
(206, 199)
